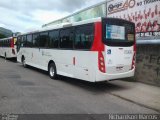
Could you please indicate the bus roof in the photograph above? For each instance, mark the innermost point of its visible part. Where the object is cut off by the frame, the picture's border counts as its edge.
(6, 38)
(68, 24)
(63, 25)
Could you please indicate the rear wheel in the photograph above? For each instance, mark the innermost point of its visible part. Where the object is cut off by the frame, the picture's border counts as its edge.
(5, 56)
(24, 62)
(52, 71)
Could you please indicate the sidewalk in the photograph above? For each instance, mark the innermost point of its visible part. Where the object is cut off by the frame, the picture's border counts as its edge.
(139, 93)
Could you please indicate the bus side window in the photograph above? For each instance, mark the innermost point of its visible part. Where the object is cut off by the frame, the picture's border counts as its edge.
(43, 40)
(18, 43)
(36, 40)
(84, 36)
(54, 39)
(66, 38)
(9, 43)
(6, 42)
(23, 43)
(29, 41)
(3, 44)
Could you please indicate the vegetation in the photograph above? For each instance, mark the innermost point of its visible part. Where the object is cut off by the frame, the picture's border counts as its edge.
(2, 36)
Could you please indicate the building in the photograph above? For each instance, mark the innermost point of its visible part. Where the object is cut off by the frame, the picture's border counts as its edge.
(98, 10)
(145, 15)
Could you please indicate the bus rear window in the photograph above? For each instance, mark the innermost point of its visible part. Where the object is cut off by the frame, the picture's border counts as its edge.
(118, 32)
(115, 32)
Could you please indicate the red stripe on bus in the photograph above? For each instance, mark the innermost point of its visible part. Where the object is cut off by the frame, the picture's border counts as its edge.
(12, 43)
(97, 43)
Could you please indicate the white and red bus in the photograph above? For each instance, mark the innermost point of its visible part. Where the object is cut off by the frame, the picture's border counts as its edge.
(8, 47)
(93, 50)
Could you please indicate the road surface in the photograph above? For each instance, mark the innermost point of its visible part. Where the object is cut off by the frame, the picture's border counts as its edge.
(31, 91)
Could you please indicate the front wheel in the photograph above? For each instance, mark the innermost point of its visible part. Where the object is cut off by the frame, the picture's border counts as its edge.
(5, 56)
(52, 71)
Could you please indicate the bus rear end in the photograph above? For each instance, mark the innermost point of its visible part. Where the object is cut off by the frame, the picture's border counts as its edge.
(11, 52)
(117, 59)
(14, 46)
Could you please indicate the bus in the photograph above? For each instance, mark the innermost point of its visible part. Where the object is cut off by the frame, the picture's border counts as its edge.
(95, 50)
(8, 47)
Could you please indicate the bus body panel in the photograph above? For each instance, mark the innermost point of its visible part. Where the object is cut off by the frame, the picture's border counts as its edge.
(118, 59)
(8, 51)
(82, 69)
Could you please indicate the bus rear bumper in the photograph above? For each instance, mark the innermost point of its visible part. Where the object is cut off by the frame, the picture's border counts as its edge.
(108, 77)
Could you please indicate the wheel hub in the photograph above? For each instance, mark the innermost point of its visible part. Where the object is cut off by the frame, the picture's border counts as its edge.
(52, 71)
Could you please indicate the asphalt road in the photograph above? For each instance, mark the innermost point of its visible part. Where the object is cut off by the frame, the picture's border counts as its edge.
(31, 91)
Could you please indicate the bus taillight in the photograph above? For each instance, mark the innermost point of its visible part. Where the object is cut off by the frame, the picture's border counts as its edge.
(134, 57)
(133, 61)
(101, 62)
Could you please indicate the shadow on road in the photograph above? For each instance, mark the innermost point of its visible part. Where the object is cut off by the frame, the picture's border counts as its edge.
(100, 87)
(14, 60)
(93, 87)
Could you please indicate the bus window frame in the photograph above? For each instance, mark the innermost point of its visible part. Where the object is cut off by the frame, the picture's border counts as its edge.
(31, 46)
(73, 28)
(23, 42)
(89, 24)
(39, 40)
(58, 47)
(36, 33)
(116, 43)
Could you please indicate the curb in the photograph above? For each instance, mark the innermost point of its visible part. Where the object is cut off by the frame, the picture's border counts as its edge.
(143, 105)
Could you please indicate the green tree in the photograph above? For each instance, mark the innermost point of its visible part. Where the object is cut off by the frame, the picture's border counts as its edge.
(2, 36)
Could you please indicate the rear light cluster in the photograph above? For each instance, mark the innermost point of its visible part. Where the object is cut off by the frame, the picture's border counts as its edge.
(12, 43)
(134, 61)
(134, 58)
(101, 62)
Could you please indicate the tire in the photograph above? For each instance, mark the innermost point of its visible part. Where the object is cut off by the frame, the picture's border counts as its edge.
(52, 71)
(24, 62)
(5, 56)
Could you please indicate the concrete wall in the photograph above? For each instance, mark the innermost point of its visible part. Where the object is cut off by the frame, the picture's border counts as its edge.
(148, 64)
